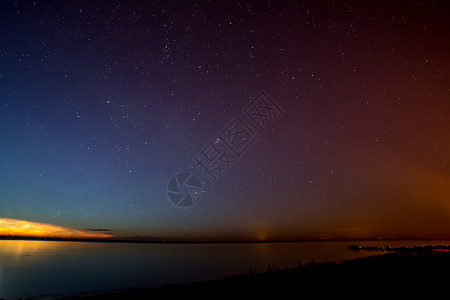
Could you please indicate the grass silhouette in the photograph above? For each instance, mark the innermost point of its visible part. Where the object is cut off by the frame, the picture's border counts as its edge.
(402, 273)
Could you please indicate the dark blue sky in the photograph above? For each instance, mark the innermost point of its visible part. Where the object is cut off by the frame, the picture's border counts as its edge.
(102, 102)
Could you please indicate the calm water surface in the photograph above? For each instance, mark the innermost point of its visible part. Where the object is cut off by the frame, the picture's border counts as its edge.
(53, 268)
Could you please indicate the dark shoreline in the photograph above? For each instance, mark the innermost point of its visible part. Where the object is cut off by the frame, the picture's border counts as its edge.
(207, 241)
(404, 272)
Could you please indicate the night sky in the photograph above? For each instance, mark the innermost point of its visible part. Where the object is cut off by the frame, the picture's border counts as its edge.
(318, 119)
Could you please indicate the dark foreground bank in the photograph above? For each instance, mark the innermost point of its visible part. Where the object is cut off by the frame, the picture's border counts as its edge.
(401, 274)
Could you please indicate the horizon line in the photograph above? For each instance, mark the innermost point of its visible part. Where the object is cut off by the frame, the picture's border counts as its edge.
(148, 240)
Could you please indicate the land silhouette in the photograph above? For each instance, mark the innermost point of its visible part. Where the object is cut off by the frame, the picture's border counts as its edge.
(398, 272)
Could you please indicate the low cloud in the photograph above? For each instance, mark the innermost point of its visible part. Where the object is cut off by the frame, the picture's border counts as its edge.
(98, 229)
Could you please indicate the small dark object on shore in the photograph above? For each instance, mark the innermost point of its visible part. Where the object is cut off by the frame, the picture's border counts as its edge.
(354, 247)
(372, 248)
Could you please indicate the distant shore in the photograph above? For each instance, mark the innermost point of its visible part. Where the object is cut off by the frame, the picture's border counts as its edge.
(397, 272)
(402, 249)
(202, 241)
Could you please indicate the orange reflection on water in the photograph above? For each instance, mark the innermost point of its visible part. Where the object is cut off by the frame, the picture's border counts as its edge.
(34, 229)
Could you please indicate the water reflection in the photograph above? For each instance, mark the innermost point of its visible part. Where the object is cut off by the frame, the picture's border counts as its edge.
(12, 252)
(33, 268)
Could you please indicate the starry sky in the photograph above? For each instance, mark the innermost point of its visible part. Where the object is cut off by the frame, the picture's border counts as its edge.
(103, 102)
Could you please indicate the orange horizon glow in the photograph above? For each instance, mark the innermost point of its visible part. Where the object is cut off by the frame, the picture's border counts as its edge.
(17, 227)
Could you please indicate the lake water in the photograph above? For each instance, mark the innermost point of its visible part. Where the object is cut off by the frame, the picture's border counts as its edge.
(54, 268)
